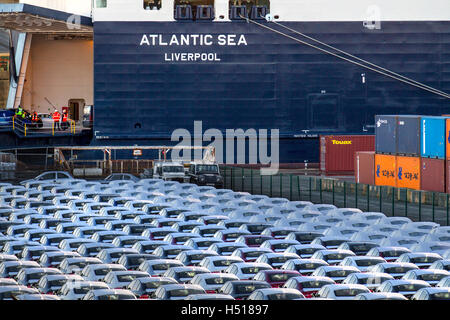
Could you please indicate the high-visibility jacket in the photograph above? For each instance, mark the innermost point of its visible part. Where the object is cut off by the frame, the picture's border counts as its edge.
(64, 117)
(34, 117)
(56, 116)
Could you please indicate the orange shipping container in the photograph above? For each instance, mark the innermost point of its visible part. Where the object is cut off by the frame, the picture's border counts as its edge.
(408, 172)
(385, 170)
(447, 138)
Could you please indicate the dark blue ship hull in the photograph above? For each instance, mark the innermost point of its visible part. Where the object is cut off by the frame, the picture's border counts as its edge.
(143, 92)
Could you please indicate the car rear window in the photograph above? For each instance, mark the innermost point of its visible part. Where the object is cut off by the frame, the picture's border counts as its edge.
(314, 284)
(360, 247)
(116, 297)
(218, 280)
(408, 287)
(398, 269)
(255, 241)
(432, 276)
(183, 292)
(440, 296)
(336, 256)
(366, 262)
(252, 270)
(283, 296)
(127, 277)
(186, 274)
(223, 263)
(425, 259)
(248, 288)
(161, 266)
(348, 292)
(339, 273)
(281, 276)
(280, 259)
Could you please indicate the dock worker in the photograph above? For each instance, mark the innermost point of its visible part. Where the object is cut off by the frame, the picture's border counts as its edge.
(56, 118)
(19, 112)
(34, 117)
(64, 120)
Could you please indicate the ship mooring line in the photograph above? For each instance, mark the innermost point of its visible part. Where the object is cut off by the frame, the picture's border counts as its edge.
(359, 59)
(420, 86)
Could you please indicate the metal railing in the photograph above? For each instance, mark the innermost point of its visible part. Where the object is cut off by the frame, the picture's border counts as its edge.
(28, 129)
(414, 204)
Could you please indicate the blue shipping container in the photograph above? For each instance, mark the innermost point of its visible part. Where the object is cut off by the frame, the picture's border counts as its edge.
(386, 134)
(408, 135)
(432, 143)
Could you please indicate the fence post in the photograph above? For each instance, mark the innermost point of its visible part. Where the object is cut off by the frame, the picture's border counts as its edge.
(356, 195)
(261, 179)
(420, 206)
(381, 198)
(281, 185)
(432, 200)
(368, 198)
(393, 201)
(447, 209)
(232, 179)
(271, 179)
(224, 176)
(242, 179)
(251, 180)
(345, 194)
(310, 186)
(406, 202)
(333, 190)
(300, 191)
(320, 190)
(290, 187)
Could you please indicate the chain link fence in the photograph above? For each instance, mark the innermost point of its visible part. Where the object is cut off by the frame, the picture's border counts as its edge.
(416, 205)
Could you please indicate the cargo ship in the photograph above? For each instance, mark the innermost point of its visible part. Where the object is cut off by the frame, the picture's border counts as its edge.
(304, 67)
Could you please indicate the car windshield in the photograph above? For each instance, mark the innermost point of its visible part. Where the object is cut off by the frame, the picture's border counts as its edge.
(218, 280)
(207, 169)
(348, 292)
(184, 292)
(173, 169)
(281, 276)
(283, 296)
(440, 296)
(372, 280)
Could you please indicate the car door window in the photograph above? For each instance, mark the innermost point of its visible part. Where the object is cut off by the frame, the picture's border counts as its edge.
(48, 176)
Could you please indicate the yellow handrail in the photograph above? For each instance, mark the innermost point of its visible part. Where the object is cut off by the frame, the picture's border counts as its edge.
(25, 125)
(14, 122)
(53, 128)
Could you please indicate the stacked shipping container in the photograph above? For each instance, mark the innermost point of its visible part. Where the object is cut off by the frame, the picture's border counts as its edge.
(337, 153)
(411, 152)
